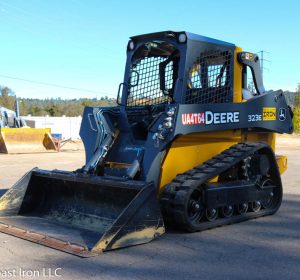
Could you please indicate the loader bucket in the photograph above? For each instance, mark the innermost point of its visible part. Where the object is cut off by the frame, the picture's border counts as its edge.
(80, 214)
(25, 140)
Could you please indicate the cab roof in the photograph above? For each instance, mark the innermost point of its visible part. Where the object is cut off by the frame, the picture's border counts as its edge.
(175, 34)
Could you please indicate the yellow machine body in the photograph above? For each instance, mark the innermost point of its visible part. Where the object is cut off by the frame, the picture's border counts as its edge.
(191, 150)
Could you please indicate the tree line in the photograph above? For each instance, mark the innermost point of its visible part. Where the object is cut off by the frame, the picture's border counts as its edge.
(52, 107)
(74, 107)
(296, 111)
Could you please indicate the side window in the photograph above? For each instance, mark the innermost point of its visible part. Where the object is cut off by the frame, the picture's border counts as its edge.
(250, 82)
(210, 78)
(194, 79)
(216, 75)
(248, 89)
(169, 76)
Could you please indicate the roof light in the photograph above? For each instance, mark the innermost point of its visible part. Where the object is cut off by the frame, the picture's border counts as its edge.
(182, 38)
(131, 45)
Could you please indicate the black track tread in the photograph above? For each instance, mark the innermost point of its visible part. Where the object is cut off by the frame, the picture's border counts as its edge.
(172, 197)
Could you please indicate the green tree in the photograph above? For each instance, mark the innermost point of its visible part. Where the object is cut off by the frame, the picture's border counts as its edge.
(53, 110)
(23, 105)
(86, 102)
(7, 98)
(297, 96)
(296, 119)
(34, 110)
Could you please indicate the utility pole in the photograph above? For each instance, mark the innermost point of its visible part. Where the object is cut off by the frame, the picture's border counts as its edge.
(262, 59)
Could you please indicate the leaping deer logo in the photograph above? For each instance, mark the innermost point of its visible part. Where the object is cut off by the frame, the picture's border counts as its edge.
(282, 114)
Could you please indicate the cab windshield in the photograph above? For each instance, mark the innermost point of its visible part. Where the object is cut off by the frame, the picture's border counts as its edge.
(153, 74)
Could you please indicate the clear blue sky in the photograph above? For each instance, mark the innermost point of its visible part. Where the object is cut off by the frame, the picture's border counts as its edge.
(82, 44)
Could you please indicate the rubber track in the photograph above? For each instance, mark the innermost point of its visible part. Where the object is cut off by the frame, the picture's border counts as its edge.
(173, 197)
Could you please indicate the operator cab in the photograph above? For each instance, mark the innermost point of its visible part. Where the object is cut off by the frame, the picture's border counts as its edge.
(177, 67)
(184, 68)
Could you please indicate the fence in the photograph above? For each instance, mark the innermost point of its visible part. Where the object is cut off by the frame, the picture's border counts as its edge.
(68, 127)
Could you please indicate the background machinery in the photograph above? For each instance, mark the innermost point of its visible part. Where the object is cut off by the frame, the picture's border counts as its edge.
(17, 137)
(187, 146)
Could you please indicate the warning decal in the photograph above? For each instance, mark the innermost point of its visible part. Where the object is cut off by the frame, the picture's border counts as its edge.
(269, 114)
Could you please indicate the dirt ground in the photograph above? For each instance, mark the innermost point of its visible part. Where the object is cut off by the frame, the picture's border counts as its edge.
(14, 166)
(265, 248)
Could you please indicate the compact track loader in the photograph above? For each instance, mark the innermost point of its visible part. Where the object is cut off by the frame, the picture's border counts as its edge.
(188, 146)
